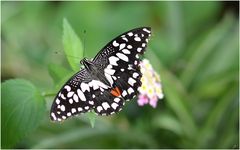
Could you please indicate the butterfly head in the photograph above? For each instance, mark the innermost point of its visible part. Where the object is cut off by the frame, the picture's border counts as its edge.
(87, 63)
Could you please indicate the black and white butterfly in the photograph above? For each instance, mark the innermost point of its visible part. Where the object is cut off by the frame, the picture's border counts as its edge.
(106, 82)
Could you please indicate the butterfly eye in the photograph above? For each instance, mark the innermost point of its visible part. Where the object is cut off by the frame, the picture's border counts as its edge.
(83, 61)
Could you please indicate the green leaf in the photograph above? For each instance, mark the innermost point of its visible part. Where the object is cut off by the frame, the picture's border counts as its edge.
(199, 15)
(22, 110)
(206, 47)
(228, 138)
(72, 45)
(214, 117)
(57, 72)
(176, 34)
(64, 139)
(223, 61)
(168, 122)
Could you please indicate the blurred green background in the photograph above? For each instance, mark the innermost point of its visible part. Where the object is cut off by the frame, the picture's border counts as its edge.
(194, 48)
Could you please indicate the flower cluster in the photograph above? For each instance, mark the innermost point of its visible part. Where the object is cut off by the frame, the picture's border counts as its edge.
(151, 89)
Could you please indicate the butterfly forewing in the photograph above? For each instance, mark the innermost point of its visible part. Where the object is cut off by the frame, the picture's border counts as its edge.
(118, 62)
(71, 99)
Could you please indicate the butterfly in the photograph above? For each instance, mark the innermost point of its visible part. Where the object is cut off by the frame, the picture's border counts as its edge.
(105, 82)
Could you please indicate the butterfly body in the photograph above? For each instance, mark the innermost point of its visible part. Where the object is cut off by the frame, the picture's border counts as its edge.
(106, 82)
(94, 72)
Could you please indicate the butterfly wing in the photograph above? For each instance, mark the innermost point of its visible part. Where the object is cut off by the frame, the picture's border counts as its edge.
(72, 98)
(80, 94)
(119, 60)
(119, 63)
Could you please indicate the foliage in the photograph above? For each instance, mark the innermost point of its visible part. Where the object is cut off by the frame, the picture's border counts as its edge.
(22, 110)
(194, 47)
(72, 45)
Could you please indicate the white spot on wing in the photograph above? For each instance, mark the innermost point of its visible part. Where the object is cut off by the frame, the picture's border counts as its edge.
(101, 89)
(130, 67)
(74, 110)
(70, 94)
(139, 49)
(122, 46)
(125, 39)
(135, 62)
(109, 66)
(137, 38)
(114, 105)
(70, 101)
(57, 101)
(125, 51)
(105, 105)
(75, 97)
(68, 88)
(131, 81)
(53, 115)
(85, 87)
(80, 109)
(109, 78)
(62, 96)
(122, 56)
(130, 34)
(99, 108)
(62, 108)
(129, 46)
(124, 93)
(113, 60)
(135, 74)
(130, 90)
(94, 84)
(91, 102)
(81, 95)
(117, 100)
(109, 71)
(102, 85)
(146, 30)
(114, 78)
(115, 43)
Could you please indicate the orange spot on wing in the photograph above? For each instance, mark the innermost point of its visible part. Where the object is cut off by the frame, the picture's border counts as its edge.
(116, 92)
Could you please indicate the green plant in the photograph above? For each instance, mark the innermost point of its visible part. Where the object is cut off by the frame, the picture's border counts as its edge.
(22, 111)
(194, 48)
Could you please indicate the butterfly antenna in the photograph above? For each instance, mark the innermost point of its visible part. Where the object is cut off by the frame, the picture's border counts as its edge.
(60, 53)
(84, 40)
